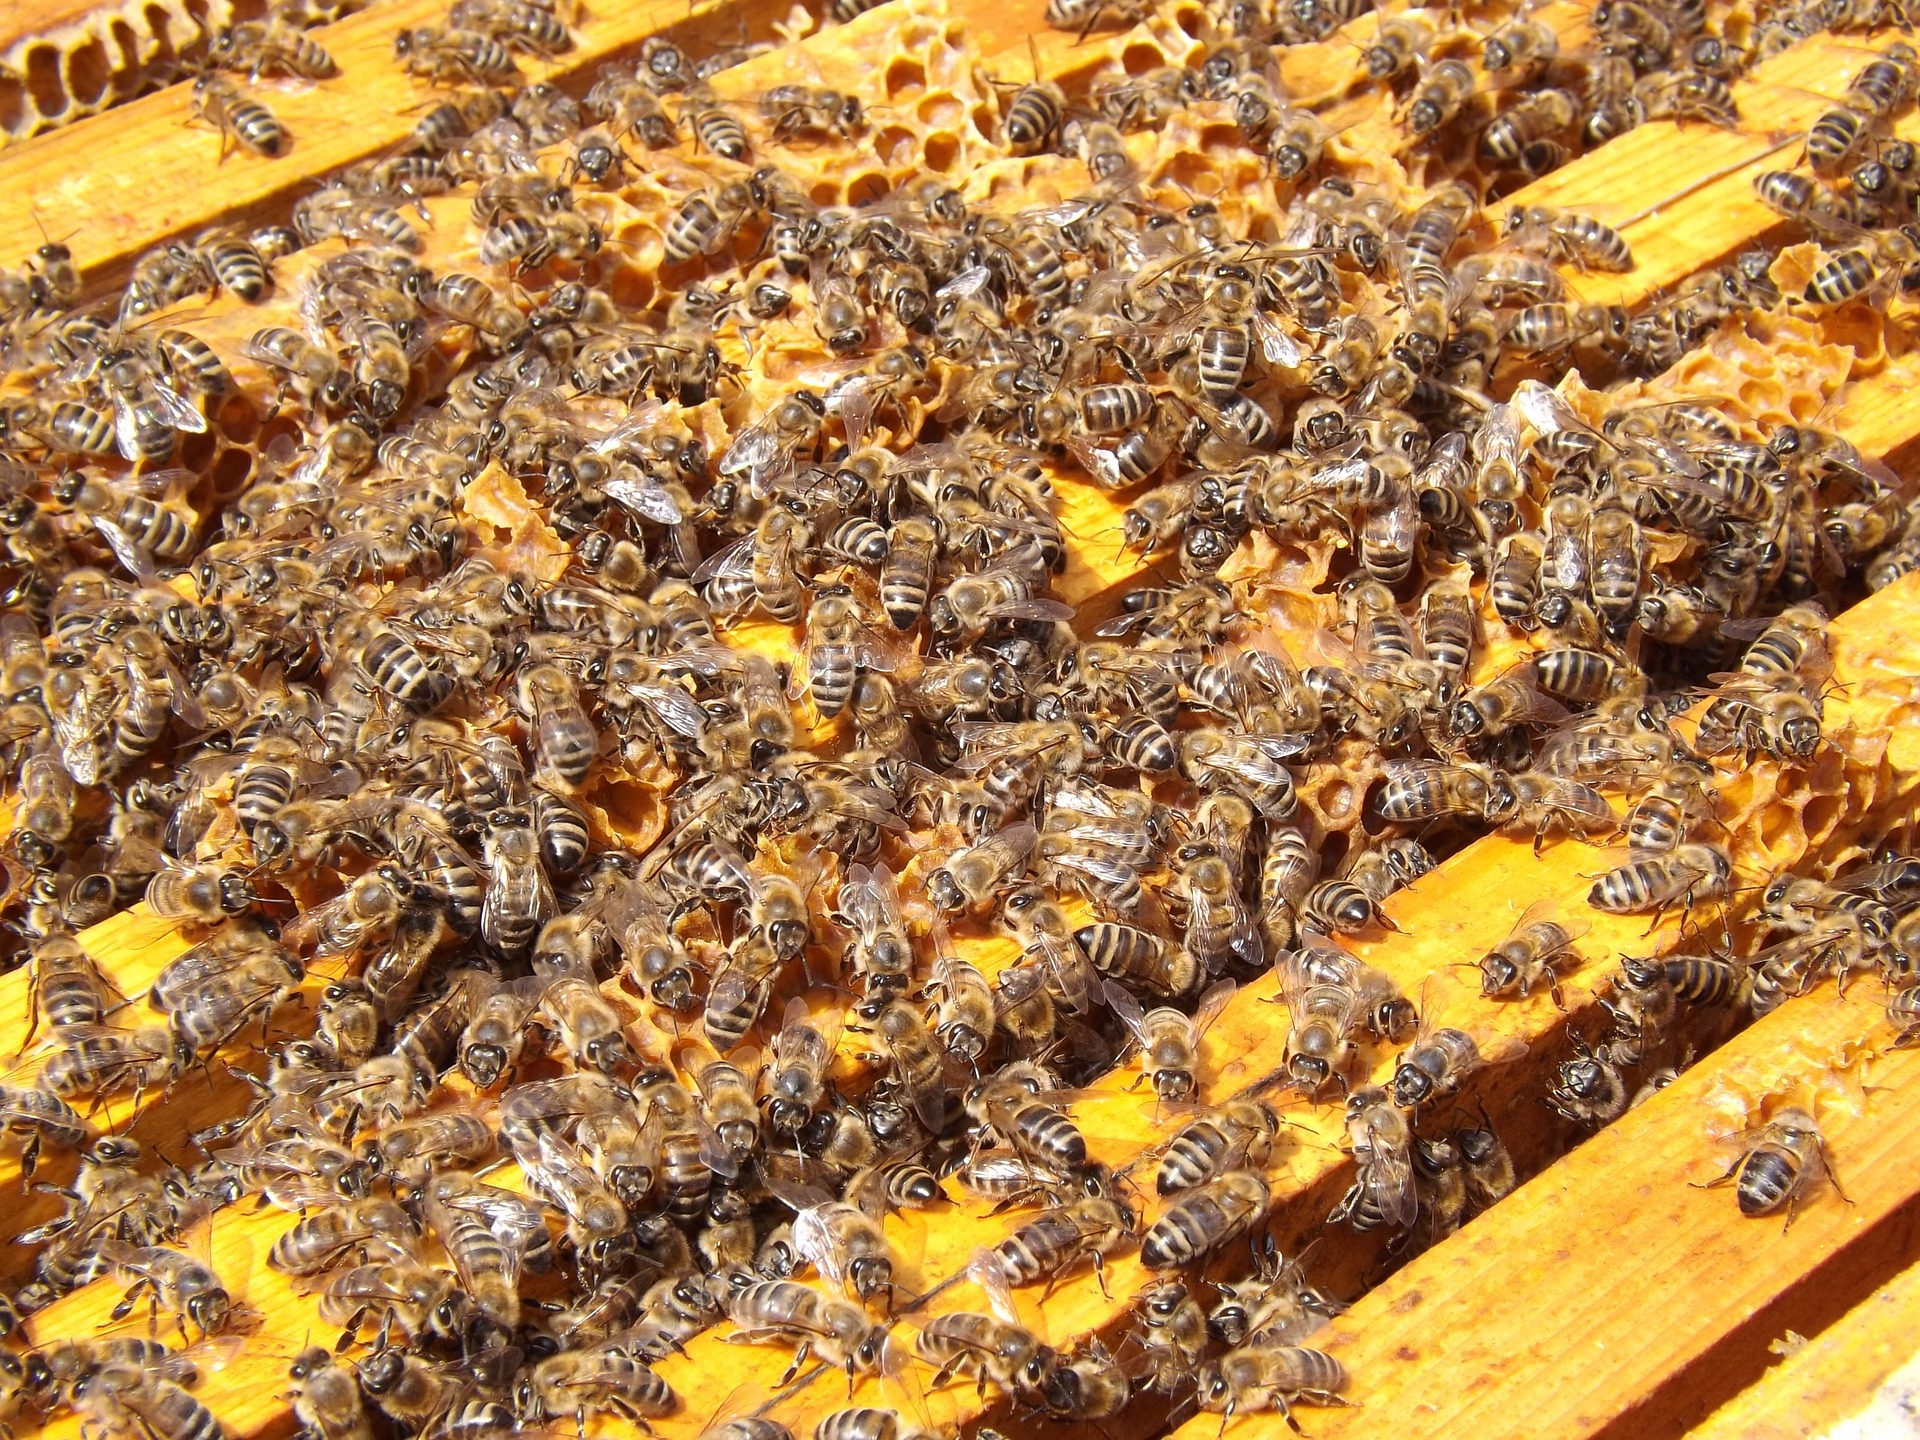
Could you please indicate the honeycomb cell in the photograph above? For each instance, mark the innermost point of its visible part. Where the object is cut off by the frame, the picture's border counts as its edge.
(89, 72)
(45, 87)
(940, 150)
(940, 108)
(14, 114)
(895, 145)
(1142, 56)
(904, 73)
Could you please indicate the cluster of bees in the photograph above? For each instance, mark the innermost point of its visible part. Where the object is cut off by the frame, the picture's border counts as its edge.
(367, 754)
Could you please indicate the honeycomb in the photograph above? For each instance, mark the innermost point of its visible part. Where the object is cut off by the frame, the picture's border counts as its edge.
(109, 54)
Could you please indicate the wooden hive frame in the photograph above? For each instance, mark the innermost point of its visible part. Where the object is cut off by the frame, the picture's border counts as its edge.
(1457, 1338)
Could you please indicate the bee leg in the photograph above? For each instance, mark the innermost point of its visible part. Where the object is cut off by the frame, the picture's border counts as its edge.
(799, 1359)
(1832, 1179)
(1732, 1170)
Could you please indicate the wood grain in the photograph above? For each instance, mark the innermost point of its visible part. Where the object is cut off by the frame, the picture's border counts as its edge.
(1682, 194)
(140, 173)
(1540, 1318)
(1855, 1378)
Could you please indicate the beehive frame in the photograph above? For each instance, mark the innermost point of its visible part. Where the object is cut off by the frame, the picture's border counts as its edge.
(1455, 1341)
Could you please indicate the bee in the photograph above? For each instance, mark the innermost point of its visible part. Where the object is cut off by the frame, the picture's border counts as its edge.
(1237, 1135)
(1033, 119)
(1326, 995)
(1260, 1377)
(98, 1061)
(1522, 136)
(1173, 1333)
(1013, 1104)
(241, 122)
(65, 986)
(1205, 1218)
(608, 1377)
(171, 1280)
(1530, 957)
(836, 1330)
(1442, 1057)
(133, 1398)
(1590, 1088)
(845, 1245)
(795, 109)
(797, 1072)
(269, 47)
(972, 876)
(913, 1055)
(1088, 1385)
(309, 370)
(1509, 700)
(326, 1397)
(961, 1342)
(1169, 1040)
(449, 54)
(707, 221)
(1882, 87)
(964, 1019)
(1686, 874)
(207, 894)
(44, 1119)
(1779, 1162)
(1570, 237)
(1522, 43)
(331, 1234)
(1399, 42)
(1443, 90)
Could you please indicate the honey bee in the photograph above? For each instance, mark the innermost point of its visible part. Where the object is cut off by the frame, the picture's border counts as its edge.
(1169, 1040)
(797, 1082)
(1570, 237)
(608, 1377)
(1443, 90)
(326, 1397)
(348, 1229)
(1686, 874)
(172, 1281)
(241, 122)
(1779, 1162)
(1033, 118)
(1013, 1104)
(1260, 1377)
(962, 1342)
(1204, 1218)
(1442, 1057)
(1237, 1135)
(836, 1330)
(914, 1056)
(1172, 1335)
(972, 876)
(1530, 957)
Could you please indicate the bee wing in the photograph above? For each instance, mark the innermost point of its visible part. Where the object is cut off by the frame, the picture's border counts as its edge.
(1213, 1004)
(1243, 935)
(814, 1240)
(1498, 1049)
(133, 559)
(514, 1220)
(1278, 347)
(1545, 409)
(970, 281)
(644, 498)
(175, 408)
(1389, 1171)
(1121, 1000)
(989, 1272)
